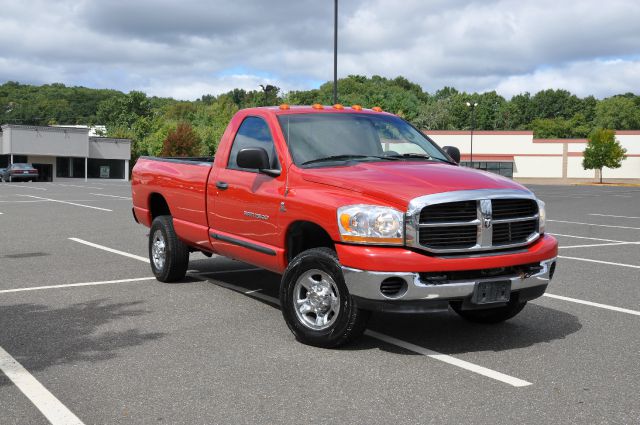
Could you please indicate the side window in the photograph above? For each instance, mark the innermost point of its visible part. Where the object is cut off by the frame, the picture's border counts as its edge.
(253, 133)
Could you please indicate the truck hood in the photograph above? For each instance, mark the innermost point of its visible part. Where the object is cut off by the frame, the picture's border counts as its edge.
(399, 182)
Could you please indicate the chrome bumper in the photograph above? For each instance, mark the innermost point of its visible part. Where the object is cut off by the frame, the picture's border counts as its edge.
(366, 284)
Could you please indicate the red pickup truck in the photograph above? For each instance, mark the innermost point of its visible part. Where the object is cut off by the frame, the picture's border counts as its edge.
(357, 210)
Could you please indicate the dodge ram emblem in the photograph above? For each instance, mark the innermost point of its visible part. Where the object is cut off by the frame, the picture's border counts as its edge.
(486, 212)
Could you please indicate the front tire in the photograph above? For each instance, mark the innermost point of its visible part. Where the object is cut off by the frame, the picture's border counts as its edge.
(315, 301)
(490, 315)
(168, 255)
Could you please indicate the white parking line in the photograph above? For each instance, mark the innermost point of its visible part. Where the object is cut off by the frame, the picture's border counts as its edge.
(406, 345)
(480, 370)
(69, 203)
(593, 224)
(615, 216)
(115, 251)
(584, 237)
(56, 412)
(599, 244)
(72, 285)
(23, 186)
(111, 196)
(84, 187)
(592, 304)
(600, 262)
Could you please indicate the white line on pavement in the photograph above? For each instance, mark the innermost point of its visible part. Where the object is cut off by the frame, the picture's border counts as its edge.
(23, 186)
(615, 216)
(600, 262)
(255, 290)
(450, 360)
(56, 412)
(599, 244)
(71, 285)
(84, 187)
(111, 196)
(408, 346)
(69, 203)
(593, 224)
(592, 304)
(114, 251)
(584, 237)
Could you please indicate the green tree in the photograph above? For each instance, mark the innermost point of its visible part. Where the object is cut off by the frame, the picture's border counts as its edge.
(603, 150)
(182, 141)
(618, 112)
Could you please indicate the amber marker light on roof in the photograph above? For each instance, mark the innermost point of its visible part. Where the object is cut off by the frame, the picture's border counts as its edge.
(316, 106)
(356, 107)
(284, 106)
(377, 109)
(338, 106)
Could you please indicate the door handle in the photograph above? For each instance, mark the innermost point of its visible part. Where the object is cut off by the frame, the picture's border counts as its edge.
(222, 185)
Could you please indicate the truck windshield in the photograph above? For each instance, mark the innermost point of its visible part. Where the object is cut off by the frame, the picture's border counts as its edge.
(314, 139)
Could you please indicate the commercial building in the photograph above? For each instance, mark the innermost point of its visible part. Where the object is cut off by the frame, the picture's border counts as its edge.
(518, 154)
(65, 152)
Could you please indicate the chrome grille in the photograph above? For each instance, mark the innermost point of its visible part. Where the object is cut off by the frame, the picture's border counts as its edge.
(476, 220)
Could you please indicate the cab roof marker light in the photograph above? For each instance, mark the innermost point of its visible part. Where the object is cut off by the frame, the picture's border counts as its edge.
(376, 109)
(356, 107)
(317, 106)
(284, 107)
(338, 106)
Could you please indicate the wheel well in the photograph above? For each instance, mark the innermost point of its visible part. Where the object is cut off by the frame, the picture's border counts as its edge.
(304, 235)
(158, 206)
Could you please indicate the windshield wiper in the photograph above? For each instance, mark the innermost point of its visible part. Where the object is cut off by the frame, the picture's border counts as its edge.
(420, 156)
(347, 157)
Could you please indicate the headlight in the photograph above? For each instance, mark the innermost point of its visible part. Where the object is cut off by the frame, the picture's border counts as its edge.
(371, 224)
(542, 214)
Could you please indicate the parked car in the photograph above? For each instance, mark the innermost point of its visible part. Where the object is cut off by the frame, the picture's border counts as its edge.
(357, 210)
(19, 172)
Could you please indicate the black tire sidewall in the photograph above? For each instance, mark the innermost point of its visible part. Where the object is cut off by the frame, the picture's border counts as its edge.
(325, 261)
(173, 266)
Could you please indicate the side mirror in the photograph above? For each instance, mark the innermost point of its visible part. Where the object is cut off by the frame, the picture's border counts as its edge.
(453, 152)
(256, 159)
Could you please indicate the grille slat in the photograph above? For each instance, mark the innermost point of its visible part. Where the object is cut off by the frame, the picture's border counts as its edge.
(452, 211)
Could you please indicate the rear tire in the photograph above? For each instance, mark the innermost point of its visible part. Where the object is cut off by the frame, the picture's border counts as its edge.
(490, 315)
(315, 301)
(168, 255)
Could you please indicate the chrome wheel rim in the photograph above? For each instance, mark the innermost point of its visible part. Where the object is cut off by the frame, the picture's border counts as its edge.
(316, 300)
(158, 250)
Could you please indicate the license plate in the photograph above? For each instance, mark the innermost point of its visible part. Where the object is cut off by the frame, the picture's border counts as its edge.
(491, 292)
(25, 172)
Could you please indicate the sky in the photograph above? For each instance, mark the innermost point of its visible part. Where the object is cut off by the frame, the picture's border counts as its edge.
(185, 49)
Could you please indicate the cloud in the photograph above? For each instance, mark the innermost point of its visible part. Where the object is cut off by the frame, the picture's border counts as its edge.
(189, 48)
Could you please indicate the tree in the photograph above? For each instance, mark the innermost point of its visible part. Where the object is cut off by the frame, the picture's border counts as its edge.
(618, 112)
(182, 141)
(603, 150)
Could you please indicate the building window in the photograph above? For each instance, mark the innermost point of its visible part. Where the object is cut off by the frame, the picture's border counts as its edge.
(503, 168)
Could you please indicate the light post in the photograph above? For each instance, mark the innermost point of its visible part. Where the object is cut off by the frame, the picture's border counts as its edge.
(473, 124)
(335, 52)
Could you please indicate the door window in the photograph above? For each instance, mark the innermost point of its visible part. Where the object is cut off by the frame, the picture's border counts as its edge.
(253, 133)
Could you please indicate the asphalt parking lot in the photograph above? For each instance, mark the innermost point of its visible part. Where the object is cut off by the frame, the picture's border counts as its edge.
(88, 336)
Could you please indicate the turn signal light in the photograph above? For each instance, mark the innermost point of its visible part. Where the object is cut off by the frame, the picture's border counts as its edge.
(316, 106)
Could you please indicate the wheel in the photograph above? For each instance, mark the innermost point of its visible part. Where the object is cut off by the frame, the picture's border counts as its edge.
(168, 255)
(316, 304)
(490, 315)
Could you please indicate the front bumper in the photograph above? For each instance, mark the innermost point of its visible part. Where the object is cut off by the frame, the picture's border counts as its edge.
(419, 295)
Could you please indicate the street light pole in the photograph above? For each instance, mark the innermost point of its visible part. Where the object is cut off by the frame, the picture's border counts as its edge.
(335, 52)
(473, 124)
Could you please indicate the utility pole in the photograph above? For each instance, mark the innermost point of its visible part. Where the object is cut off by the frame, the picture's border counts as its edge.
(473, 125)
(335, 52)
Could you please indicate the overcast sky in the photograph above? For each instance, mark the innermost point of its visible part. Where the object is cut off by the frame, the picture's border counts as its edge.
(188, 48)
